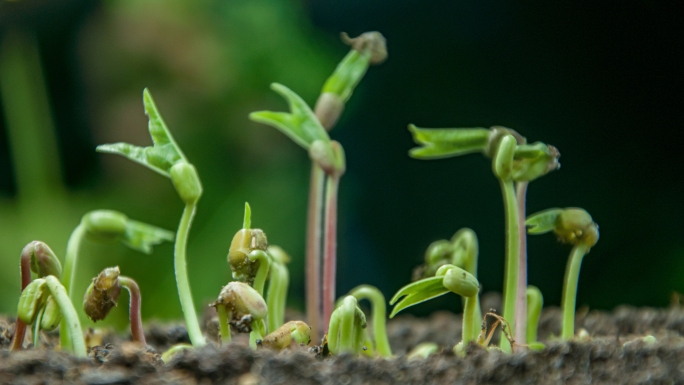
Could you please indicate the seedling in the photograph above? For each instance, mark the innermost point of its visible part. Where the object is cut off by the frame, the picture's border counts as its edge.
(293, 332)
(240, 305)
(535, 302)
(103, 294)
(379, 312)
(247, 255)
(279, 280)
(422, 351)
(575, 226)
(513, 161)
(36, 257)
(107, 227)
(166, 158)
(448, 278)
(346, 331)
(35, 307)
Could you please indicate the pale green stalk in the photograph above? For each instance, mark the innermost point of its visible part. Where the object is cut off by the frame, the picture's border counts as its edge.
(277, 296)
(469, 328)
(224, 326)
(570, 289)
(379, 309)
(184, 292)
(257, 333)
(262, 272)
(69, 316)
(68, 277)
(36, 329)
(512, 258)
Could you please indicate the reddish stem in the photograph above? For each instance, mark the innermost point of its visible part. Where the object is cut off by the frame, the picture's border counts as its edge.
(330, 248)
(313, 251)
(134, 315)
(25, 267)
(521, 293)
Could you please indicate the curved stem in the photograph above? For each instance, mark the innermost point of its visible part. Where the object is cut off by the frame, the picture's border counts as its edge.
(69, 316)
(379, 308)
(224, 326)
(330, 248)
(25, 269)
(68, 277)
(135, 303)
(512, 259)
(535, 302)
(173, 351)
(277, 296)
(187, 304)
(347, 336)
(333, 331)
(262, 272)
(521, 295)
(570, 290)
(36, 329)
(313, 251)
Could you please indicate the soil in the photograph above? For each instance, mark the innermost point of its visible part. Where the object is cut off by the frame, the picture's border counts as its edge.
(610, 352)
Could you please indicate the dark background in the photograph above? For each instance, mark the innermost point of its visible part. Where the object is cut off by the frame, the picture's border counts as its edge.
(601, 81)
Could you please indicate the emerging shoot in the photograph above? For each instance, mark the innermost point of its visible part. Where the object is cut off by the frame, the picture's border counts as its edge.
(244, 308)
(279, 280)
(247, 255)
(379, 312)
(535, 302)
(347, 328)
(291, 333)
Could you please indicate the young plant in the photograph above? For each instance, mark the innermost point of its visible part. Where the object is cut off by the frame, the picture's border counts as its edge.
(379, 311)
(107, 227)
(574, 226)
(279, 280)
(44, 302)
(514, 163)
(422, 351)
(103, 294)
(448, 278)
(166, 158)
(346, 331)
(293, 332)
(36, 257)
(302, 126)
(247, 256)
(535, 302)
(238, 304)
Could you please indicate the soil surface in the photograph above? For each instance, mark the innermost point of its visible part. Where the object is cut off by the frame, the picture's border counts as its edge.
(610, 352)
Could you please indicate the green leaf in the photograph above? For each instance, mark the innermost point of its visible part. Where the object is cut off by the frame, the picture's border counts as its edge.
(300, 124)
(543, 221)
(448, 142)
(413, 287)
(347, 75)
(141, 236)
(418, 297)
(162, 155)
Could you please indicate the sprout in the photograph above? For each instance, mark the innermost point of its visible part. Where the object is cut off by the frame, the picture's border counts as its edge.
(347, 328)
(379, 312)
(240, 305)
(535, 302)
(103, 294)
(575, 226)
(422, 351)
(247, 255)
(293, 332)
(448, 278)
(166, 158)
(279, 279)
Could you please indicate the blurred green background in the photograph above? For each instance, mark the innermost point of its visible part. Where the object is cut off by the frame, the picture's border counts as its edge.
(601, 82)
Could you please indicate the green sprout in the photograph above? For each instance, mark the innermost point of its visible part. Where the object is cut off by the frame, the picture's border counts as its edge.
(515, 163)
(575, 226)
(247, 254)
(302, 126)
(103, 294)
(36, 257)
(346, 331)
(166, 158)
(535, 302)
(243, 307)
(293, 332)
(379, 312)
(44, 302)
(107, 227)
(422, 351)
(279, 280)
(448, 278)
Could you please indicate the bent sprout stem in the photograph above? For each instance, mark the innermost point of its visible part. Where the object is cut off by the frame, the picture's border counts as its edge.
(135, 303)
(182, 281)
(277, 295)
(25, 268)
(521, 295)
(379, 313)
(68, 275)
(313, 250)
(69, 316)
(570, 289)
(330, 247)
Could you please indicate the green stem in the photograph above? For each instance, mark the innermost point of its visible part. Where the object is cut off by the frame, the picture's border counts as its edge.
(257, 333)
(313, 251)
(379, 308)
(277, 296)
(262, 271)
(25, 269)
(330, 248)
(134, 305)
(469, 327)
(470, 266)
(68, 277)
(535, 301)
(333, 331)
(347, 335)
(69, 316)
(173, 351)
(570, 290)
(36, 329)
(521, 294)
(224, 326)
(187, 304)
(512, 258)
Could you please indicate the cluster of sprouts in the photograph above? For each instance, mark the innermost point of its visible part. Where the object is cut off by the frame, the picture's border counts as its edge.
(254, 301)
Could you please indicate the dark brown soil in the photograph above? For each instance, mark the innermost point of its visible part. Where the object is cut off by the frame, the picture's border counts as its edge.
(612, 355)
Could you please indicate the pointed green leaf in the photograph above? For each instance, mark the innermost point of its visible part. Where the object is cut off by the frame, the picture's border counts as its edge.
(418, 297)
(141, 236)
(247, 221)
(162, 155)
(447, 142)
(300, 124)
(417, 286)
(543, 221)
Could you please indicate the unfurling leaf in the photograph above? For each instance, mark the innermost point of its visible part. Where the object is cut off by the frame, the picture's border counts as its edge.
(141, 236)
(448, 142)
(543, 221)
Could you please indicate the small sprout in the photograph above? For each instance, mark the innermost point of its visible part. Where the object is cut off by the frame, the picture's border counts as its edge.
(346, 331)
(174, 351)
(279, 280)
(535, 302)
(448, 142)
(379, 312)
(648, 341)
(293, 332)
(422, 351)
(239, 302)
(44, 262)
(575, 226)
(247, 255)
